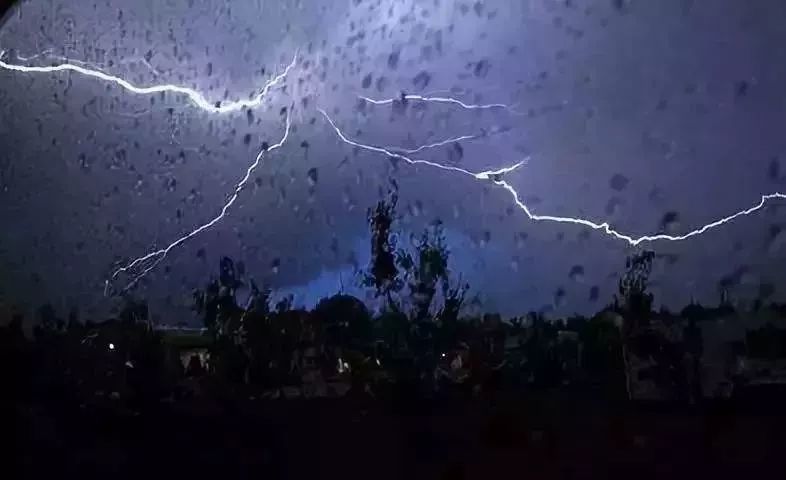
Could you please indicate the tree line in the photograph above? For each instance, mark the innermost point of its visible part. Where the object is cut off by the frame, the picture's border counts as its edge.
(418, 337)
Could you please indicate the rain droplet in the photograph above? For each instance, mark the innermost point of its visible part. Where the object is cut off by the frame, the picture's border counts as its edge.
(421, 80)
(393, 59)
(381, 84)
(485, 238)
(171, 185)
(594, 293)
(313, 176)
(366, 81)
(577, 273)
(481, 69)
(520, 239)
(455, 153)
(559, 297)
(774, 169)
(670, 222)
(741, 88)
(618, 182)
(613, 206)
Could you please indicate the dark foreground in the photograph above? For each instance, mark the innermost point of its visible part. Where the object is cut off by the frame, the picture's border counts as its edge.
(557, 434)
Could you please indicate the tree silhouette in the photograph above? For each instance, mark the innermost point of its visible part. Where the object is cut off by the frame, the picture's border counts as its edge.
(426, 269)
(423, 271)
(448, 315)
(259, 300)
(255, 332)
(223, 318)
(394, 328)
(383, 273)
(217, 303)
(285, 330)
(602, 357)
(206, 305)
(49, 324)
(454, 298)
(133, 311)
(637, 302)
(345, 319)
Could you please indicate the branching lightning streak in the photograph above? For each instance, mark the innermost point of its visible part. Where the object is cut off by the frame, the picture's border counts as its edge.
(455, 101)
(33, 57)
(48, 53)
(495, 177)
(485, 175)
(201, 102)
(634, 241)
(441, 143)
(196, 98)
(160, 254)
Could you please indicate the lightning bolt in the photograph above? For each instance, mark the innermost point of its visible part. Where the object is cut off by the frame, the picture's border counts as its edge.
(485, 175)
(635, 241)
(46, 52)
(152, 259)
(441, 143)
(455, 101)
(196, 98)
(158, 256)
(496, 177)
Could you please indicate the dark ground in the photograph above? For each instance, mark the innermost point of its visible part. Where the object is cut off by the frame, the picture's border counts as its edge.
(559, 434)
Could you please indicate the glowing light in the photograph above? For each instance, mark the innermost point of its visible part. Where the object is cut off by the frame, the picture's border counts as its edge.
(148, 262)
(485, 175)
(441, 143)
(158, 256)
(196, 98)
(111, 346)
(605, 227)
(455, 101)
(495, 177)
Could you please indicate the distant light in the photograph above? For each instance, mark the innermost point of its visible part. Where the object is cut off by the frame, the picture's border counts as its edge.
(444, 355)
(378, 364)
(111, 346)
